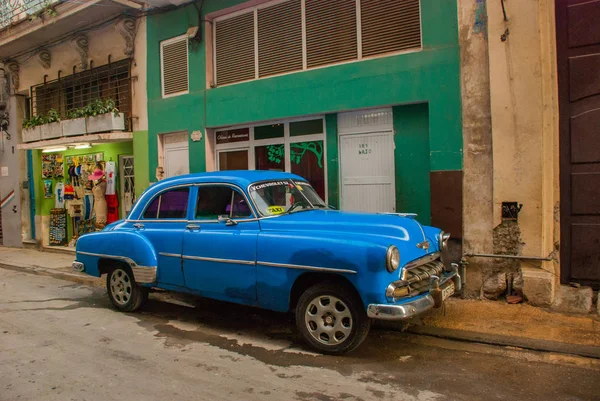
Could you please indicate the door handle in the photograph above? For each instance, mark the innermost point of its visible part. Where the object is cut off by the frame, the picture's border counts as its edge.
(138, 226)
(192, 227)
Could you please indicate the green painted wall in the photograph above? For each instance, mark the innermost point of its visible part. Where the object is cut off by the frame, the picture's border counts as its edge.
(333, 169)
(412, 160)
(140, 161)
(429, 76)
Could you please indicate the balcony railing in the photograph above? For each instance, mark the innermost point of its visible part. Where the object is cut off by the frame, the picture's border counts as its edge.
(13, 11)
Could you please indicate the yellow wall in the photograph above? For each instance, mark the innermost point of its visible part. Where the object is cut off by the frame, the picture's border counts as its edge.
(524, 111)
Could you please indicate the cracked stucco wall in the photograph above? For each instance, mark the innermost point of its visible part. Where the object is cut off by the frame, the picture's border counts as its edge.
(510, 131)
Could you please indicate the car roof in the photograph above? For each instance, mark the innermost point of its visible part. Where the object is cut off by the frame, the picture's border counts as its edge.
(242, 178)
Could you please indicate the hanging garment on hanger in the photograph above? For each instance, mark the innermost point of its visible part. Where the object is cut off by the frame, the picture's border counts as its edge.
(59, 195)
(112, 202)
(111, 177)
(88, 205)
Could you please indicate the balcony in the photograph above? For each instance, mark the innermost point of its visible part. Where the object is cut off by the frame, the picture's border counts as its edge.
(28, 24)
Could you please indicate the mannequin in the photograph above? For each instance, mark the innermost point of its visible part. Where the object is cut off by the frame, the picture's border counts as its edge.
(99, 191)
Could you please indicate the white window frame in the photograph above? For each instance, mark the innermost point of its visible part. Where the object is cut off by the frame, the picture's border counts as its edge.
(286, 140)
(255, 9)
(162, 71)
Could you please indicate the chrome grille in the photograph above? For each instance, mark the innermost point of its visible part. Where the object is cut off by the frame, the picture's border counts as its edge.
(419, 277)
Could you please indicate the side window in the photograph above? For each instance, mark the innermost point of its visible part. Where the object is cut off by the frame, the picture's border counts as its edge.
(218, 201)
(169, 205)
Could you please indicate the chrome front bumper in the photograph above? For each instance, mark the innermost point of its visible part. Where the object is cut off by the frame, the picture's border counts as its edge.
(401, 311)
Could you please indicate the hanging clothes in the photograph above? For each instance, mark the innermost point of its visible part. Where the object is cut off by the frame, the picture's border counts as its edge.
(111, 177)
(88, 205)
(112, 202)
(59, 195)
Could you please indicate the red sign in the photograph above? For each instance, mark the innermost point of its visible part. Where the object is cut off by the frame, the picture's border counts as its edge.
(233, 135)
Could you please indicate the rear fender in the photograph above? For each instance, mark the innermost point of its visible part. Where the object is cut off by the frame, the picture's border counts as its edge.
(122, 246)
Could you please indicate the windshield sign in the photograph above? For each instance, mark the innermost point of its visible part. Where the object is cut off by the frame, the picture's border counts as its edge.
(279, 197)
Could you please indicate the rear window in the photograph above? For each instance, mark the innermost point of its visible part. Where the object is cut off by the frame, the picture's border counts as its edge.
(169, 205)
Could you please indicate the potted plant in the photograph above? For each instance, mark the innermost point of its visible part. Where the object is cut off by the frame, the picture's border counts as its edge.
(31, 129)
(51, 127)
(103, 116)
(75, 122)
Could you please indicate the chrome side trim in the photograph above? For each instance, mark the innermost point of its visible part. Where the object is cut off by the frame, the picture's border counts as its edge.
(156, 221)
(303, 267)
(171, 255)
(400, 312)
(141, 274)
(233, 261)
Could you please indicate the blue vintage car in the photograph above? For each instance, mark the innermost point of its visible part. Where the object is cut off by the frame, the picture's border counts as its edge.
(267, 239)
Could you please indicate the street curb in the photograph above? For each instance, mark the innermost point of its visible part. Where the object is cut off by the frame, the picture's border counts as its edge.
(587, 351)
(43, 271)
(532, 344)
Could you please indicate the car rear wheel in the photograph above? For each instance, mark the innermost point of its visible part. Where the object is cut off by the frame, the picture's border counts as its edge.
(123, 292)
(331, 318)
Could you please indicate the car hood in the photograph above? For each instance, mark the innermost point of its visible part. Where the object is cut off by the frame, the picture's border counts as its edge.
(382, 225)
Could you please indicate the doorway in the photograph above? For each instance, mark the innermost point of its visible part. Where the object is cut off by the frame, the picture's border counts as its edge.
(367, 170)
(578, 41)
(176, 154)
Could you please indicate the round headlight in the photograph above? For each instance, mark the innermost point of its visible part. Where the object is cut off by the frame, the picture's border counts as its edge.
(392, 257)
(443, 240)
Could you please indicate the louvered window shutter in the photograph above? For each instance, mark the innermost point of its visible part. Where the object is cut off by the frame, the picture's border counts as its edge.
(280, 38)
(175, 66)
(390, 26)
(234, 46)
(330, 31)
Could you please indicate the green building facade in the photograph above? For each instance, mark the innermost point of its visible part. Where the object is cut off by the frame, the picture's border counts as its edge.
(374, 128)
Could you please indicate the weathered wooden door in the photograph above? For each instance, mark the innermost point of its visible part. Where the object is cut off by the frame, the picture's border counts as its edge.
(578, 51)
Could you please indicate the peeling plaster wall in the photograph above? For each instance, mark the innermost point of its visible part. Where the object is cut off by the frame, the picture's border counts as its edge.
(524, 128)
(477, 138)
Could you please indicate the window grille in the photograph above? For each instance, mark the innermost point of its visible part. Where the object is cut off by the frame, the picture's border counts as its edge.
(110, 81)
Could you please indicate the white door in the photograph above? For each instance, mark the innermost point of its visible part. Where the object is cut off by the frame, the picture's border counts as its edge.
(367, 172)
(177, 158)
(127, 179)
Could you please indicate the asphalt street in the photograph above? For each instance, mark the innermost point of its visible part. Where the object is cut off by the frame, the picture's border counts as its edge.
(63, 341)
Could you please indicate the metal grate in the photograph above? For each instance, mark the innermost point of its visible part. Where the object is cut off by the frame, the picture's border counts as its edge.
(234, 44)
(330, 32)
(175, 66)
(110, 81)
(390, 26)
(280, 38)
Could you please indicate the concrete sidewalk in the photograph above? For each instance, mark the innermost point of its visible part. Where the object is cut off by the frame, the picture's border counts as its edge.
(491, 322)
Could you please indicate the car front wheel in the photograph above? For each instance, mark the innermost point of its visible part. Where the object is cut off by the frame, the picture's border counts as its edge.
(123, 292)
(331, 318)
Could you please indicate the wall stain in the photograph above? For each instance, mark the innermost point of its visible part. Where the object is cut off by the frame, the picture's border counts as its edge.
(480, 25)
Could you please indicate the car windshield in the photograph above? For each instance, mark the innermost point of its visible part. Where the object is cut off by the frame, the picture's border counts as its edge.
(284, 196)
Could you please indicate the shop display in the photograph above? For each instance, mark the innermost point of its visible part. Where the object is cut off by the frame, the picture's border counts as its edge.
(111, 177)
(58, 227)
(59, 195)
(52, 166)
(48, 189)
(99, 191)
(112, 202)
(86, 226)
(87, 199)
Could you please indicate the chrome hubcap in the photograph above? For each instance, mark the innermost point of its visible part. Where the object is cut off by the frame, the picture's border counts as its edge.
(328, 320)
(120, 286)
